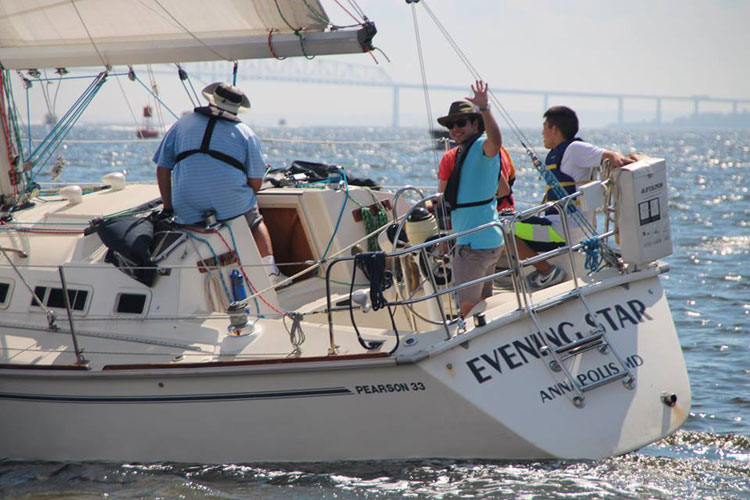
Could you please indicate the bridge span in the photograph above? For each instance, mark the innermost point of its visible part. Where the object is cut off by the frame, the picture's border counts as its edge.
(339, 73)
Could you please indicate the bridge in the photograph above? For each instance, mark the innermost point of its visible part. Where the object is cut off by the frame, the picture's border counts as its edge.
(332, 72)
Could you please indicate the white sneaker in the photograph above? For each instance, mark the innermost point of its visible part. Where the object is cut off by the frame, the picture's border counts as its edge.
(537, 281)
(278, 278)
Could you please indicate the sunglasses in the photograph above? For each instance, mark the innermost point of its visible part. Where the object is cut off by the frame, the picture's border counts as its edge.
(458, 123)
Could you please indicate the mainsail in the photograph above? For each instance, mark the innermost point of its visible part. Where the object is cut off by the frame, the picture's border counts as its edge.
(75, 33)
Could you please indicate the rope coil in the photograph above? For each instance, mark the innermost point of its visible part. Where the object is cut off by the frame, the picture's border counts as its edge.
(593, 257)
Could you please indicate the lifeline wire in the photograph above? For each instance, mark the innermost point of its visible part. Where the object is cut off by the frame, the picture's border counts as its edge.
(127, 101)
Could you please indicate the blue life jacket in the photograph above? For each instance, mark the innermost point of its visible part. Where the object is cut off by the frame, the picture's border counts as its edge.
(553, 162)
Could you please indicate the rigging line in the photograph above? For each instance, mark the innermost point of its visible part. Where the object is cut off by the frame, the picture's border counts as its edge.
(347, 11)
(155, 87)
(63, 131)
(475, 73)
(54, 133)
(184, 76)
(184, 28)
(28, 116)
(57, 91)
(91, 39)
(13, 115)
(130, 108)
(157, 98)
(320, 17)
(283, 18)
(357, 9)
(549, 179)
(424, 81)
(45, 94)
(501, 109)
(190, 82)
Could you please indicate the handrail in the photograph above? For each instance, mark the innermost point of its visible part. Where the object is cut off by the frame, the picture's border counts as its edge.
(506, 225)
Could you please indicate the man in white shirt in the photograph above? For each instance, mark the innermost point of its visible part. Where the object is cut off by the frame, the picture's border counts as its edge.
(571, 161)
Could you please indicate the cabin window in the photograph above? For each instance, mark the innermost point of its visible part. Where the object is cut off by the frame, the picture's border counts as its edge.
(130, 303)
(53, 297)
(5, 289)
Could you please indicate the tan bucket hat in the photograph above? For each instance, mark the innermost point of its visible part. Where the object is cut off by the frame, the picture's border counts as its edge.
(227, 97)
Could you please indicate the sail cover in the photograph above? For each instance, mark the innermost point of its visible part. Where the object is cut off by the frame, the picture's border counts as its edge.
(74, 33)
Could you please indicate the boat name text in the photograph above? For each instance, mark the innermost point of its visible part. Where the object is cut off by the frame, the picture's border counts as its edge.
(520, 352)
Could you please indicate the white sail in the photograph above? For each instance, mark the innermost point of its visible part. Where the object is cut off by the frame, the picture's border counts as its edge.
(74, 33)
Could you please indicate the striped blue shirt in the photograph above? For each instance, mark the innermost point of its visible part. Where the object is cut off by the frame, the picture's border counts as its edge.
(201, 183)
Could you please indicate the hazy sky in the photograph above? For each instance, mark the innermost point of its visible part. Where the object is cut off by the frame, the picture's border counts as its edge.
(688, 47)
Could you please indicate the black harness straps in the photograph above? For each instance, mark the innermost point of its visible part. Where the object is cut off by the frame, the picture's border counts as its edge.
(206, 143)
(451, 188)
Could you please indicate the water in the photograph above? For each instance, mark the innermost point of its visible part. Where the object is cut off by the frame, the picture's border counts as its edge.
(708, 289)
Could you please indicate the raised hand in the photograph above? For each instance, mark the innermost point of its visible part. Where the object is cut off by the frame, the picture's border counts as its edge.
(480, 98)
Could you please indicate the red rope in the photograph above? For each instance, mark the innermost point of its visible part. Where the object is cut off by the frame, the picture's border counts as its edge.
(242, 269)
(270, 45)
(352, 15)
(6, 134)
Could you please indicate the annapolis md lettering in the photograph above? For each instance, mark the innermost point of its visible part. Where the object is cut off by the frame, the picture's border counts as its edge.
(589, 377)
(520, 352)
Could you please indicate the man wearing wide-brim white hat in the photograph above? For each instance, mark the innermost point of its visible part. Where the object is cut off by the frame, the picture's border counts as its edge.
(209, 164)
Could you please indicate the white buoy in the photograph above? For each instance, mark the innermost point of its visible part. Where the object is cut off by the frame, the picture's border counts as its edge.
(74, 194)
(115, 180)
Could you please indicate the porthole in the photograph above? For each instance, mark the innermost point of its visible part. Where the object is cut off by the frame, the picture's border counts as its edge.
(130, 303)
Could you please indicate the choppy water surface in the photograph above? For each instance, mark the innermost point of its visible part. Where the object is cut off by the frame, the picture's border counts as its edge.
(708, 289)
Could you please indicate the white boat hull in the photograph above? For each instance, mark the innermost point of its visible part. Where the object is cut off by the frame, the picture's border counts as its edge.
(478, 395)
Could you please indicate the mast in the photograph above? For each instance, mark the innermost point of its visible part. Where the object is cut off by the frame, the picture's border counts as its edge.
(7, 189)
(9, 177)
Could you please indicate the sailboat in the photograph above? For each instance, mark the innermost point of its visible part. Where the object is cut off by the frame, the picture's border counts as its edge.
(185, 352)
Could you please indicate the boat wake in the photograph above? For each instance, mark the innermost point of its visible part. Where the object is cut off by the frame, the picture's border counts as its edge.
(688, 464)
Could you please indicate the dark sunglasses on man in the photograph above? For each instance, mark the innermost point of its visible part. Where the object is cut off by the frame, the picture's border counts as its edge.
(459, 123)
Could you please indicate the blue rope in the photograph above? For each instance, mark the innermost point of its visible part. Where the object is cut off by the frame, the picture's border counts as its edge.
(255, 296)
(593, 258)
(341, 214)
(60, 125)
(216, 259)
(156, 97)
(50, 143)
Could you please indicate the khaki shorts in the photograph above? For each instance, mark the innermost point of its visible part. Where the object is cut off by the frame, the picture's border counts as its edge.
(253, 217)
(470, 264)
